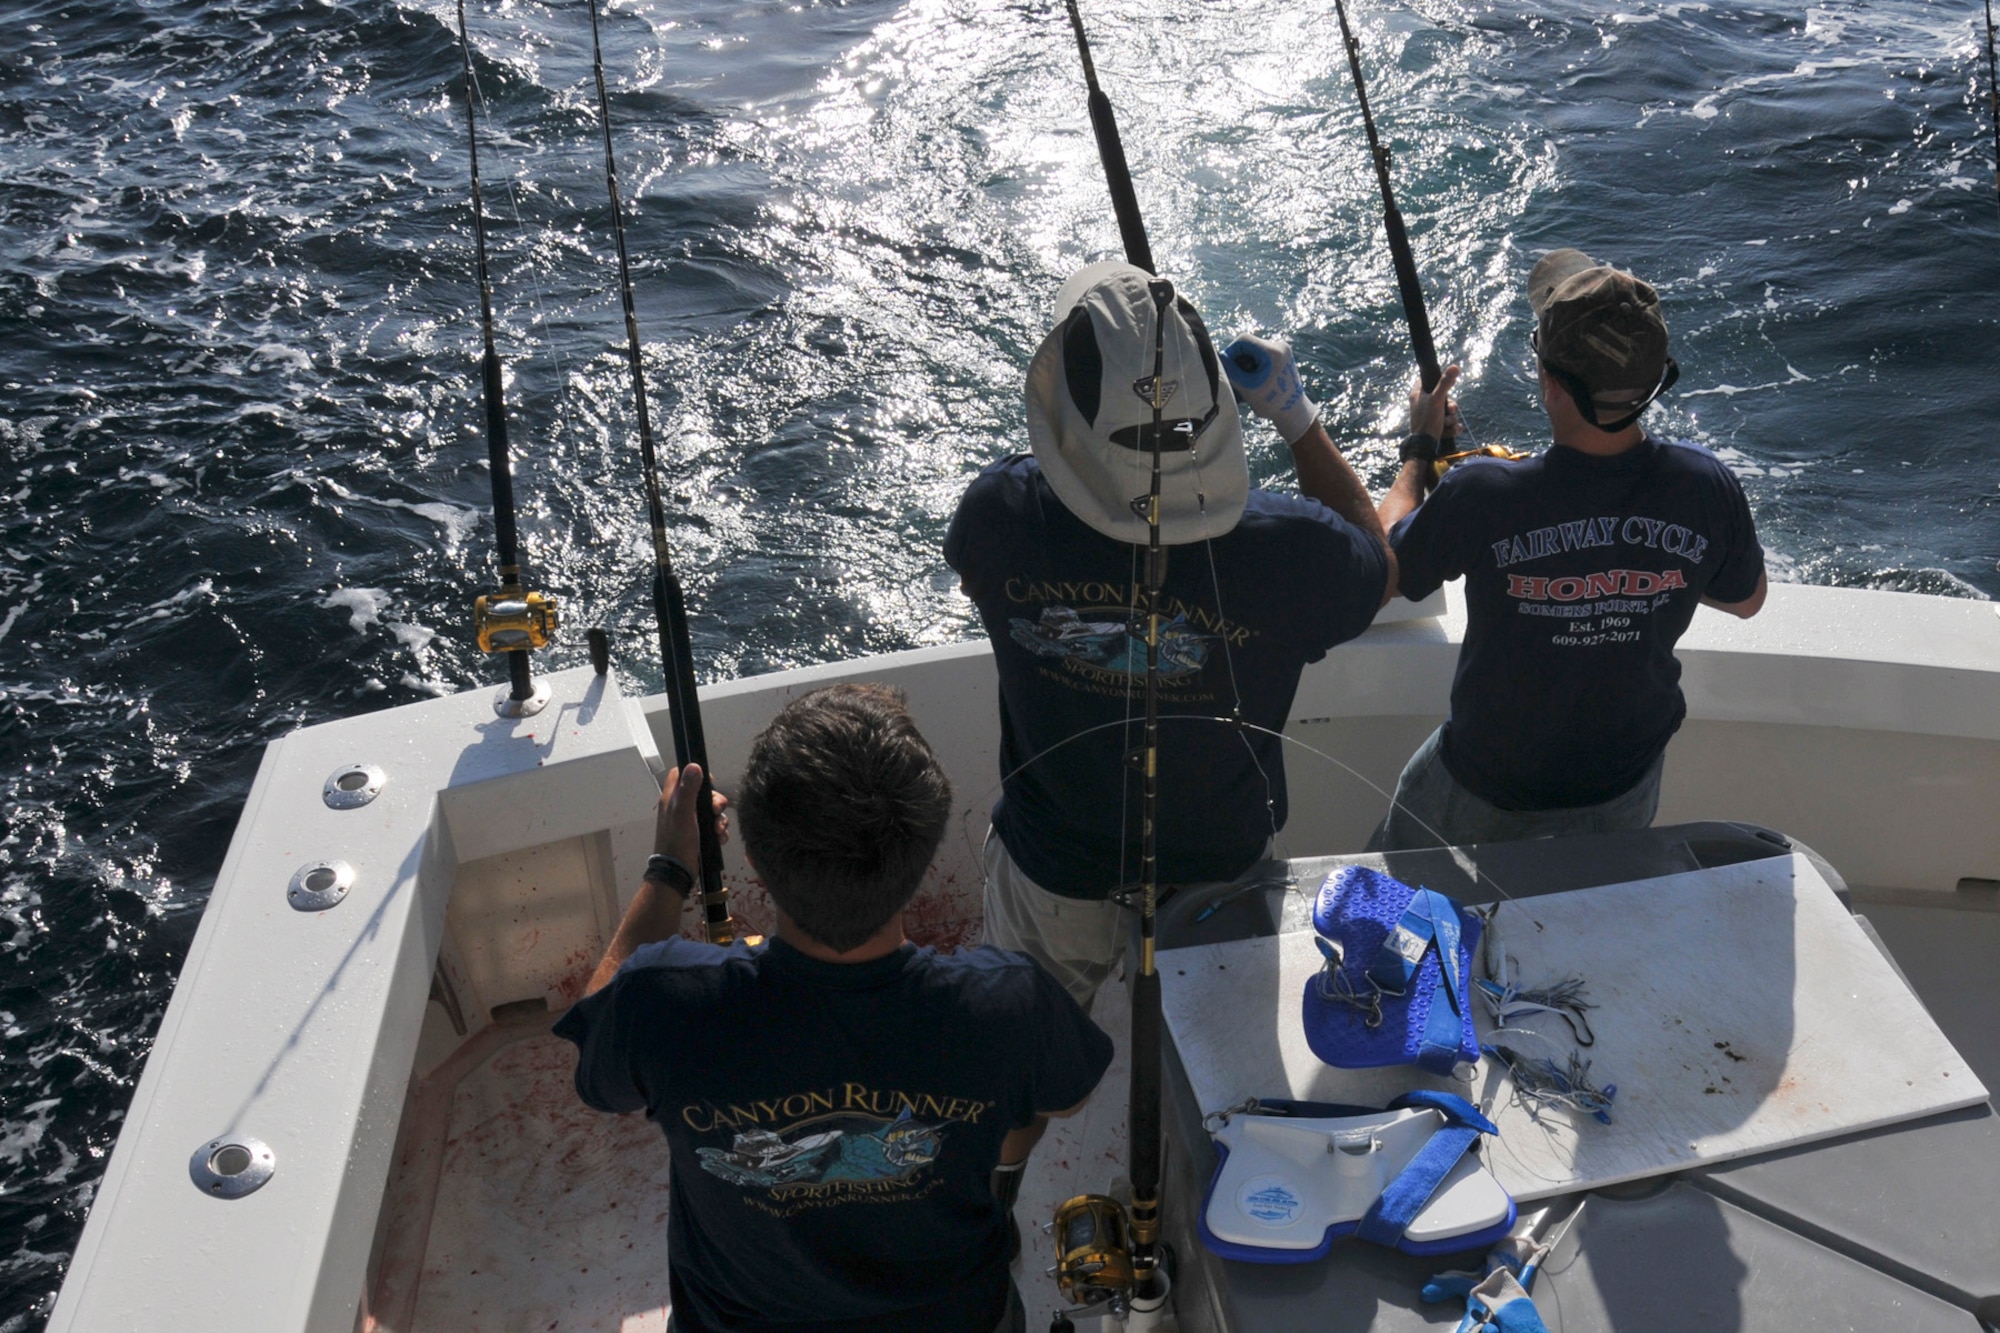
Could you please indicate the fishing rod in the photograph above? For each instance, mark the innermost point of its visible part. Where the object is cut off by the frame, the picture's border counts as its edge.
(1993, 92)
(1143, 1117)
(513, 620)
(1111, 151)
(1414, 312)
(1107, 1252)
(669, 605)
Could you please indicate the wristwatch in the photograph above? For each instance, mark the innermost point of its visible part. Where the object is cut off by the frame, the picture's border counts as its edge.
(1420, 446)
(670, 872)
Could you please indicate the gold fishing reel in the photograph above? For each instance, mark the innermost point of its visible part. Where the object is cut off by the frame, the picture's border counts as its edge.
(1093, 1241)
(1442, 464)
(514, 621)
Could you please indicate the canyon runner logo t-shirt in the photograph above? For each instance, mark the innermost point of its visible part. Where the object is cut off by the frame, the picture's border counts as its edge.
(1581, 573)
(833, 1126)
(1241, 617)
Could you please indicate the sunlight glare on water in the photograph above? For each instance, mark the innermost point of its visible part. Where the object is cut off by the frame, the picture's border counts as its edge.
(238, 335)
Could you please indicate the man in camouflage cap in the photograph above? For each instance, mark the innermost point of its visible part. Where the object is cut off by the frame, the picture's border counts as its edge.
(1583, 566)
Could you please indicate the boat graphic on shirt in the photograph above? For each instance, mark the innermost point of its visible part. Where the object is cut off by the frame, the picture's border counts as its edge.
(1104, 645)
(886, 1152)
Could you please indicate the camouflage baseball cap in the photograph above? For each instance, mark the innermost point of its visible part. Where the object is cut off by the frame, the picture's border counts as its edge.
(1599, 324)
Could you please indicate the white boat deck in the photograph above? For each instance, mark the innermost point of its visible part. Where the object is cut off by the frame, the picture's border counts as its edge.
(512, 1206)
(500, 852)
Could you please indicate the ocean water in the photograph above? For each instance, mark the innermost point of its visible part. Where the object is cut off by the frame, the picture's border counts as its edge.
(241, 455)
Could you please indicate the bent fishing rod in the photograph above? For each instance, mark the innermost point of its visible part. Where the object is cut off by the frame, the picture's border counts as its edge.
(1107, 1251)
(669, 604)
(1415, 314)
(1993, 91)
(514, 620)
(1111, 151)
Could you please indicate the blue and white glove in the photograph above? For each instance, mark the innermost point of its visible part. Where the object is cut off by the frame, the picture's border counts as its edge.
(1517, 1253)
(1266, 377)
(1499, 1305)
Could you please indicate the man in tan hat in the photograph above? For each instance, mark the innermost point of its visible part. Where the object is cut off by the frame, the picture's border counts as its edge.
(1257, 584)
(1582, 566)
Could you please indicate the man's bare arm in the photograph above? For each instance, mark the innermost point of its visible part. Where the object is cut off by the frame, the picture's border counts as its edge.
(1430, 414)
(1326, 476)
(1404, 494)
(655, 913)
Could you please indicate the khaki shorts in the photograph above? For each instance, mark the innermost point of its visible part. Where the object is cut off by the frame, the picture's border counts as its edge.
(1078, 941)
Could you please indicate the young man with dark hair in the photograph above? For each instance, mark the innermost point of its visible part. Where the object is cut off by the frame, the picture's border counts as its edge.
(841, 1107)
(1583, 567)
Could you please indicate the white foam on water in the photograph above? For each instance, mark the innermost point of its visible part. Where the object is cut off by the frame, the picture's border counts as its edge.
(363, 605)
(457, 521)
(168, 608)
(23, 1135)
(157, 480)
(414, 637)
(280, 354)
(1707, 108)
(1793, 376)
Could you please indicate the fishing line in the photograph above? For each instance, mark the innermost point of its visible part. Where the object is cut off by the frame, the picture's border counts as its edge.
(1125, 773)
(1229, 656)
(1222, 633)
(1387, 795)
(1222, 636)
(669, 604)
(511, 189)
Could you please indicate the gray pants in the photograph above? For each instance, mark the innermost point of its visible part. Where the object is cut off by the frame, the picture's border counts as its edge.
(1431, 809)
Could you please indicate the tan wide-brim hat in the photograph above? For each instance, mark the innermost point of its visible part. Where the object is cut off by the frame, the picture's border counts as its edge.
(1090, 412)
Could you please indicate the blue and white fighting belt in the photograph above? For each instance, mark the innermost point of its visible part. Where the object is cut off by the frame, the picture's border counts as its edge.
(1287, 1186)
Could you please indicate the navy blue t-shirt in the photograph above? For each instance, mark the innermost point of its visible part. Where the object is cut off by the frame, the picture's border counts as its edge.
(1246, 613)
(1581, 573)
(833, 1126)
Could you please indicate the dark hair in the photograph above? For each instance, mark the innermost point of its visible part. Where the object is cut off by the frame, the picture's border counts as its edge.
(842, 805)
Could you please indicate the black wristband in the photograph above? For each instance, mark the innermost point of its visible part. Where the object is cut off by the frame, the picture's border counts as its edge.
(670, 872)
(1420, 446)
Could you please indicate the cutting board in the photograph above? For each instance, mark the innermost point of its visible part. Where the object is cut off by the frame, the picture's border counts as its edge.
(1737, 1010)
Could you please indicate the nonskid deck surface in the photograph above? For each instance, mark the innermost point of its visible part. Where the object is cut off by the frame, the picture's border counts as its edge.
(549, 1216)
(546, 1215)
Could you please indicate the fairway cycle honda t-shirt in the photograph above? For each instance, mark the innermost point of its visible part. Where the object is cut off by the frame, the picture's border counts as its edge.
(1242, 615)
(833, 1126)
(1581, 573)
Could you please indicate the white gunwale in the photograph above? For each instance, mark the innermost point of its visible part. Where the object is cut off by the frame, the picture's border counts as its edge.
(1866, 724)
